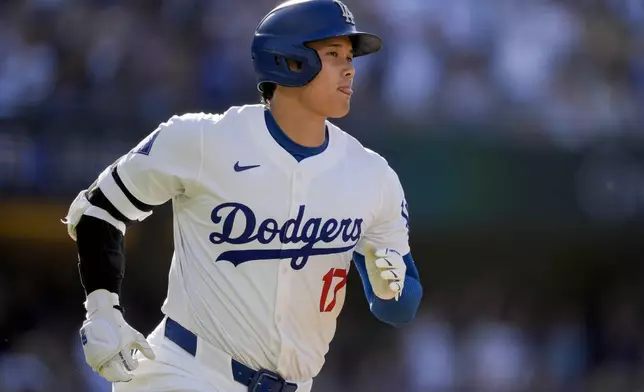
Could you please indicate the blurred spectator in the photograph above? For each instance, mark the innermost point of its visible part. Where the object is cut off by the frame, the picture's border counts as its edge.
(430, 353)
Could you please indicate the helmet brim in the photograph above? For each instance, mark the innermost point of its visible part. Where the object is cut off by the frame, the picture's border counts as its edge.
(365, 43)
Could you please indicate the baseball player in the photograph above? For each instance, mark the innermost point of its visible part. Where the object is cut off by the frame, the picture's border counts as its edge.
(272, 205)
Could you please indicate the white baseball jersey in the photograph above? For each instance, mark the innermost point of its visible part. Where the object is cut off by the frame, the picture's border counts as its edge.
(263, 243)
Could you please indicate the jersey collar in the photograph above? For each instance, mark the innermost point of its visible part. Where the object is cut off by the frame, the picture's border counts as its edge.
(261, 136)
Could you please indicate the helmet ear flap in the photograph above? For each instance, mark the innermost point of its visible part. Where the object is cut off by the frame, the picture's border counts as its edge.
(286, 64)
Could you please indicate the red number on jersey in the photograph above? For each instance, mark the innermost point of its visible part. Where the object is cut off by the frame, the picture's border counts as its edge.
(328, 280)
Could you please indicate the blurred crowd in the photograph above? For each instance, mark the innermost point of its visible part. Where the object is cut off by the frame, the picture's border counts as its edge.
(79, 74)
(544, 65)
(81, 81)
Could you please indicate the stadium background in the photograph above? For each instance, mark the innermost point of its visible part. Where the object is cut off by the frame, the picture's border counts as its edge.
(515, 126)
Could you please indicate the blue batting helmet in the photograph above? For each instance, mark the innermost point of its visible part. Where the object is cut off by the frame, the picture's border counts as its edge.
(285, 31)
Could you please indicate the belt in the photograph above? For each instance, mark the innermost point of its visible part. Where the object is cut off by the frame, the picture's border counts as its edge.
(256, 380)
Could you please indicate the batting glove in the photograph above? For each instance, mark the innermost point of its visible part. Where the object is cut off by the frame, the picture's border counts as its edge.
(108, 340)
(386, 269)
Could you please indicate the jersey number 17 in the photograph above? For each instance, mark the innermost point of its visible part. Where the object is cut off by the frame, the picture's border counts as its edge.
(337, 276)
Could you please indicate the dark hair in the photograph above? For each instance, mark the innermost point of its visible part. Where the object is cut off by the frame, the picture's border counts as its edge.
(268, 89)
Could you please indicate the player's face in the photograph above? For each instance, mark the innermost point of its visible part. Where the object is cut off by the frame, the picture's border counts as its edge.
(329, 94)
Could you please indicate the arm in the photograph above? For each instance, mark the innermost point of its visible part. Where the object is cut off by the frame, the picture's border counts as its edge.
(100, 234)
(159, 168)
(391, 281)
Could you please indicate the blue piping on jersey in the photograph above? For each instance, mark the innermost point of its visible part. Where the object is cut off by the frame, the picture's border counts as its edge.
(298, 151)
(396, 313)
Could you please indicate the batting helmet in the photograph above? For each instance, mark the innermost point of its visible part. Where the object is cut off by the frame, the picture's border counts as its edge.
(285, 31)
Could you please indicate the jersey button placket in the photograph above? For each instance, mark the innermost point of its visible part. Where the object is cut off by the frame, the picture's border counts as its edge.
(297, 199)
(284, 264)
(286, 272)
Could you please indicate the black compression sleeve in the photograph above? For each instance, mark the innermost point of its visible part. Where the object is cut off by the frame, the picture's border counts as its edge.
(100, 252)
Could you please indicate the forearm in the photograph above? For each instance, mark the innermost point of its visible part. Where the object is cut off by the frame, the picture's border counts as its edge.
(403, 311)
(100, 252)
(100, 233)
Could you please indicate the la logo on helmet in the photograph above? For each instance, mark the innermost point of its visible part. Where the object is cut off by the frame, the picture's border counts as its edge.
(346, 13)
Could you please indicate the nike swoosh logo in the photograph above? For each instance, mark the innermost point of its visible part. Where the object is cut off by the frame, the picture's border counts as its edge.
(239, 168)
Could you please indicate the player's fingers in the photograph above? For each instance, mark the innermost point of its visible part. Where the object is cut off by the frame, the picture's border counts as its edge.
(381, 252)
(384, 252)
(114, 371)
(142, 345)
(396, 287)
(127, 360)
(385, 263)
(393, 274)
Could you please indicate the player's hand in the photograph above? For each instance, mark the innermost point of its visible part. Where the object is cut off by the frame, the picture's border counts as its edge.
(386, 269)
(108, 340)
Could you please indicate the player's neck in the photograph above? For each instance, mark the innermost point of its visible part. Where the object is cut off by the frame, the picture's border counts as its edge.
(300, 124)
